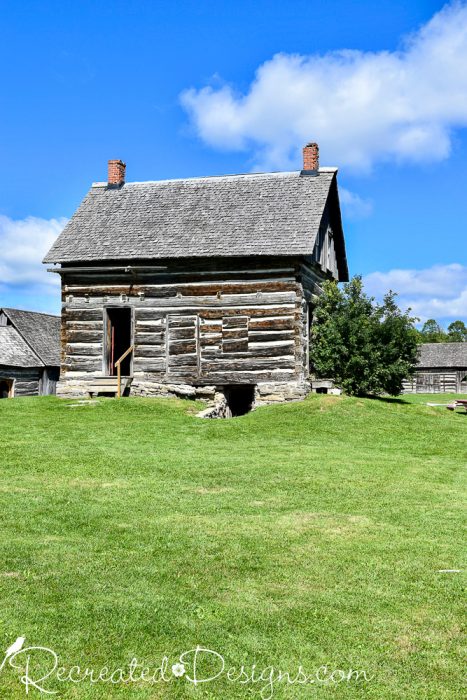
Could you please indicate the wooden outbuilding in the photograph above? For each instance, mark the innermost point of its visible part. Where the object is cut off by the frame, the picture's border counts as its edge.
(441, 368)
(209, 283)
(29, 353)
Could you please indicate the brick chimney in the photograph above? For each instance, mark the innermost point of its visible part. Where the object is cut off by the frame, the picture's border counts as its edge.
(116, 173)
(310, 159)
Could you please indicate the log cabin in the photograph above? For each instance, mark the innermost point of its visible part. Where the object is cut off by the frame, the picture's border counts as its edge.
(207, 284)
(29, 353)
(441, 368)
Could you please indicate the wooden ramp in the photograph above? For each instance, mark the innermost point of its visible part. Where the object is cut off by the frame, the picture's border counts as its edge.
(108, 385)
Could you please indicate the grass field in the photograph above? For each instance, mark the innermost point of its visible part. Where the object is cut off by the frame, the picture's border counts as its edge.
(307, 534)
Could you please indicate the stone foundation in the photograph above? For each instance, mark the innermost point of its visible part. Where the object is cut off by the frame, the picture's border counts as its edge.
(213, 396)
(278, 392)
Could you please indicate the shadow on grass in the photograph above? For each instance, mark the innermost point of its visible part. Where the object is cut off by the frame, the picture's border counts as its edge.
(392, 399)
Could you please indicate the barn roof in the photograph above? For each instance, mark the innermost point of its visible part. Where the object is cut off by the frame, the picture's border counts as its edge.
(41, 332)
(453, 355)
(231, 215)
(14, 351)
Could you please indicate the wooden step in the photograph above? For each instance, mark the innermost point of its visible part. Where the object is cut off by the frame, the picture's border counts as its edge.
(108, 380)
(108, 385)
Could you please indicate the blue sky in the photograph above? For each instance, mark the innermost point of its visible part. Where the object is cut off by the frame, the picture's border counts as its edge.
(180, 89)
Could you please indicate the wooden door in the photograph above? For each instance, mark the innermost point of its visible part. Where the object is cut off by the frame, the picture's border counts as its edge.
(118, 339)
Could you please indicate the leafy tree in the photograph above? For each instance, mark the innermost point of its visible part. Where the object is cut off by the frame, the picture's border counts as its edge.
(432, 332)
(366, 347)
(457, 332)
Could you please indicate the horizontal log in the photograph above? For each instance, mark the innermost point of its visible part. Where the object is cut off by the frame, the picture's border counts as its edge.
(246, 286)
(234, 346)
(182, 347)
(84, 350)
(84, 314)
(185, 375)
(182, 333)
(153, 316)
(251, 364)
(24, 388)
(150, 351)
(144, 314)
(286, 345)
(210, 327)
(84, 325)
(233, 334)
(150, 324)
(268, 336)
(143, 338)
(145, 364)
(273, 324)
(189, 269)
(83, 336)
(181, 321)
(24, 373)
(177, 361)
(82, 364)
(174, 302)
(250, 311)
(210, 340)
(247, 352)
(247, 377)
(234, 322)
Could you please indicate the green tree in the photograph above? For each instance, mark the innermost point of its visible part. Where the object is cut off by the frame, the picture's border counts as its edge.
(457, 332)
(366, 347)
(432, 332)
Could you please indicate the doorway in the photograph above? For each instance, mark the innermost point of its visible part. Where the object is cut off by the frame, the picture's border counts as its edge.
(118, 340)
(6, 386)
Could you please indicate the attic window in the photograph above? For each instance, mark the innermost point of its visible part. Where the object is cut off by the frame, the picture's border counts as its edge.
(235, 334)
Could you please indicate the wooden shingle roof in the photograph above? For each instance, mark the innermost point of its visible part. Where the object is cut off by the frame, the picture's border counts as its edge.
(40, 332)
(14, 351)
(234, 215)
(439, 355)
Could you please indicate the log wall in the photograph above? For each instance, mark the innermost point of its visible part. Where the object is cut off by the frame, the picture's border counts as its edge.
(244, 323)
(25, 380)
(437, 381)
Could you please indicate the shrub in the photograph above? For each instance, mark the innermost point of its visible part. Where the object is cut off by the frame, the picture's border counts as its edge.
(366, 347)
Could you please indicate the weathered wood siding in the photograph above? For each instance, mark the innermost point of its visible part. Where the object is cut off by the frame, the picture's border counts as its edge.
(48, 381)
(241, 323)
(25, 380)
(437, 382)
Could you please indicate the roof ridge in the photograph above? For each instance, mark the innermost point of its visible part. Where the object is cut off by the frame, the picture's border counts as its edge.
(197, 178)
(28, 311)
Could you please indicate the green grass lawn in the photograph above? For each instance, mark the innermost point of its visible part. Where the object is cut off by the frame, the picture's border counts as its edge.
(306, 534)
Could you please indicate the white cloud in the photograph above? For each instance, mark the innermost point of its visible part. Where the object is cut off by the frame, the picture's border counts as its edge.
(362, 107)
(24, 242)
(354, 206)
(24, 279)
(438, 292)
